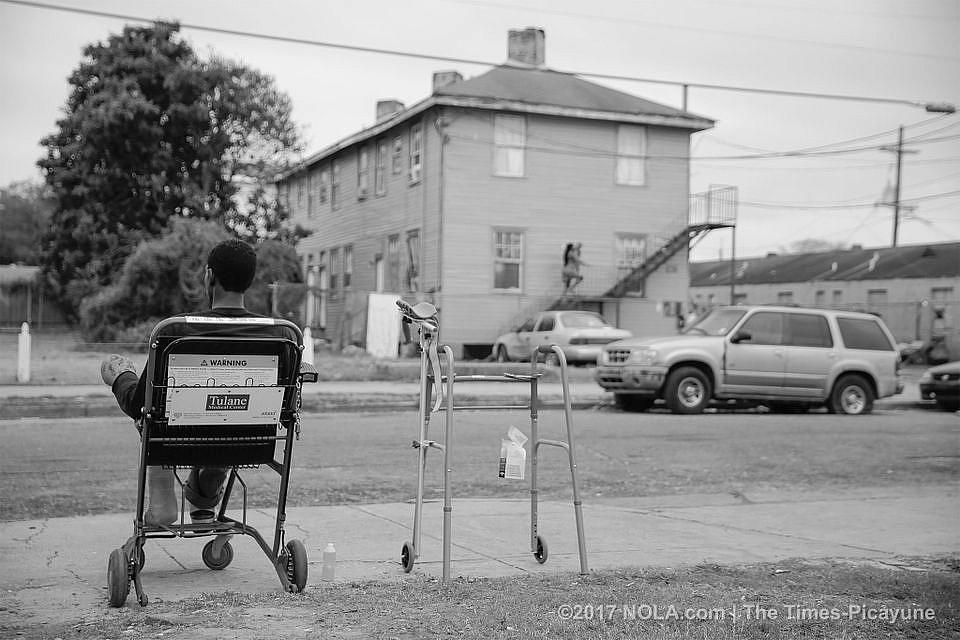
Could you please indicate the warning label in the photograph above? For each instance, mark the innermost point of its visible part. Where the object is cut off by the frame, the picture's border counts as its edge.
(192, 370)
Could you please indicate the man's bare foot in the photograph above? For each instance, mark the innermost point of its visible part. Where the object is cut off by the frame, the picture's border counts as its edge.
(113, 366)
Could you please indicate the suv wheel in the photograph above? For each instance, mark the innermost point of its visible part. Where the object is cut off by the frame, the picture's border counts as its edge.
(852, 396)
(632, 402)
(688, 390)
(502, 354)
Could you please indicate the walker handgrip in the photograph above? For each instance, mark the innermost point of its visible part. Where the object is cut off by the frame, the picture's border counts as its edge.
(545, 348)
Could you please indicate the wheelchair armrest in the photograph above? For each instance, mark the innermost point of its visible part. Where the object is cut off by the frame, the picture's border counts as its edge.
(308, 373)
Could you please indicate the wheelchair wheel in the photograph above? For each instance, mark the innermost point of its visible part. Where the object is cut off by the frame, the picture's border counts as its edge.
(296, 565)
(118, 578)
(406, 557)
(541, 553)
(217, 563)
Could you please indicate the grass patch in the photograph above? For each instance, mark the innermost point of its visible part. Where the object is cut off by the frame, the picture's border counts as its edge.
(569, 606)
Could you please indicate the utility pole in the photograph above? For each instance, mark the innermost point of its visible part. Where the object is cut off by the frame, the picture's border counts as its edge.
(899, 150)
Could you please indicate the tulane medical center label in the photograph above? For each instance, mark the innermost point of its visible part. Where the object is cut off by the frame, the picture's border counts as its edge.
(227, 402)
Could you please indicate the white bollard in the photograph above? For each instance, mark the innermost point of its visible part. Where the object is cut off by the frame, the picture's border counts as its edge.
(308, 355)
(23, 354)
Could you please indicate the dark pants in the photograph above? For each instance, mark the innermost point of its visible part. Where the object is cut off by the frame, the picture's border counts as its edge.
(204, 486)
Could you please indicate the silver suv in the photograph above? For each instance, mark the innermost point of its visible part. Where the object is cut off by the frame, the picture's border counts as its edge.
(788, 358)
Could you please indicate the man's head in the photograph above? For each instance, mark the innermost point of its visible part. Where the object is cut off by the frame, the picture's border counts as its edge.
(232, 264)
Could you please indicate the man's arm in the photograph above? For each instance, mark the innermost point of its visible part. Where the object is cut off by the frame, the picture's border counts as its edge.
(129, 391)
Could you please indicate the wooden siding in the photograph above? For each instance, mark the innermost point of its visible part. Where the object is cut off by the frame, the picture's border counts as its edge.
(567, 194)
(366, 223)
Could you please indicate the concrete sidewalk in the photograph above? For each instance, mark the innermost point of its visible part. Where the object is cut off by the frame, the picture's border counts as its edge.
(94, 400)
(55, 569)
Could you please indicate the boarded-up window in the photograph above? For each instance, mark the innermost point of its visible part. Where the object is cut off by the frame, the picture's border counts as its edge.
(631, 150)
(347, 266)
(393, 263)
(509, 138)
(380, 177)
(413, 261)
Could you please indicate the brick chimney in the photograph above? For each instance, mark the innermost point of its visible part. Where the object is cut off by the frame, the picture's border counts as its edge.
(386, 108)
(527, 46)
(443, 78)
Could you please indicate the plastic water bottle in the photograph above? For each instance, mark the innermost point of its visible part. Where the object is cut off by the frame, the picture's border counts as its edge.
(329, 568)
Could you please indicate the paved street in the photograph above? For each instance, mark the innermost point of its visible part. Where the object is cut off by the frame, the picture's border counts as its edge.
(658, 490)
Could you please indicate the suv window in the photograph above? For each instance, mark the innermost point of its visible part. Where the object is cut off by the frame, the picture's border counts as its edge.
(527, 326)
(860, 333)
(808, 330)
(546, 324)
(764, 328)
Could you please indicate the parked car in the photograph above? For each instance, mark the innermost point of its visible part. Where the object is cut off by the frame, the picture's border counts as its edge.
(942, 384)
(789, 358)
(581, 335)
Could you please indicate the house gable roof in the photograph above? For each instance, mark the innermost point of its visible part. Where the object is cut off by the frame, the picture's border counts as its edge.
(528, 90)
(941, 260)
(537, 86)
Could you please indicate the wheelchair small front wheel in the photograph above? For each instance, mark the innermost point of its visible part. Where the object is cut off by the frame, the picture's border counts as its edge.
(217, 562)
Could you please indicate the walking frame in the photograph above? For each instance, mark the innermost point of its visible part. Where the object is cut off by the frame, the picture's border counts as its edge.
(423, 317)
(220, 392)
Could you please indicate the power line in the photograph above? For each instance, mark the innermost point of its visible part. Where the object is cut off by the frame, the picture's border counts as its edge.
(422, 56)
(712, 31)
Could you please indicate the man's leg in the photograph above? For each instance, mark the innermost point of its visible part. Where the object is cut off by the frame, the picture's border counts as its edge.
(203, 490)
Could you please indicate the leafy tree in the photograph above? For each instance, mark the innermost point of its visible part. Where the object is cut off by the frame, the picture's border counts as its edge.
(151, 132)
(164, 277)
(25, 209)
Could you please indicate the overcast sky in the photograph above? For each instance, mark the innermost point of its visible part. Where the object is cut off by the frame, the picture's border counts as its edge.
(899, 49)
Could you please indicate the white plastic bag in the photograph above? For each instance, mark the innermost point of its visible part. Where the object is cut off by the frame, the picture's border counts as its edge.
(513, 457)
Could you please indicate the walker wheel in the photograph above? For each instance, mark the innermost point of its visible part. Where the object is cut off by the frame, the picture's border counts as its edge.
(141, 558)
(296, 557)
(541, 553)
(406, 557)
(217, 563)
(118, 577)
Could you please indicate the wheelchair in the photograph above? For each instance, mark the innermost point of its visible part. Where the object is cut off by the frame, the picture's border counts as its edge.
(220, 392)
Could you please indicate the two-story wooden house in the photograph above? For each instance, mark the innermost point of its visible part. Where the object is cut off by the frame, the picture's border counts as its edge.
(468, 198)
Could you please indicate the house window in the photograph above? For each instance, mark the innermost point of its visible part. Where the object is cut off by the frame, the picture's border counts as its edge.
(819, 298)
(876, 298)
(739, 298)
(416, 153)
(310, 196)
(299, 193)
(785, 297)
(335, 186)
(631, 150)
(507, 260)
(380, 171)
(324, 186)
(397, 155)
(393, 263)
(347, 266)
(631, 250)
(413, 261)
(837, 297)
(334, 270)
(939, 296)
(509, 140)
(363, 173)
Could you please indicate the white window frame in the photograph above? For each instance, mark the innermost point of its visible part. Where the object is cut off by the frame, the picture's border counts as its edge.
(380, 169)
(363, 172)
(631, 155)
(397, 155)
(416, 153)
(508, 249)
(631, 250)
(347, 266)
(335, 194)
(324, 186)
(509, 146)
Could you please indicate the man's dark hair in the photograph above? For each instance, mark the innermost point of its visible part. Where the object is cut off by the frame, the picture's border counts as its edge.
(234, 264)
